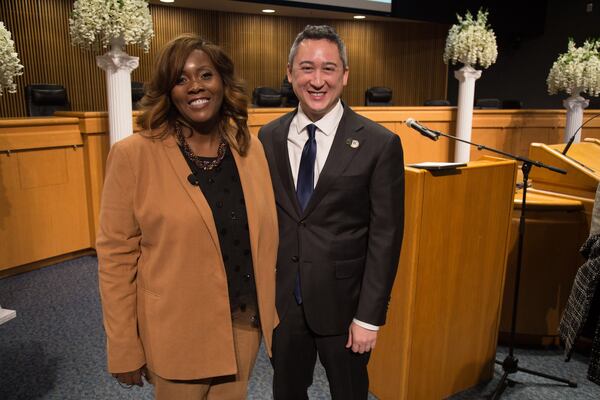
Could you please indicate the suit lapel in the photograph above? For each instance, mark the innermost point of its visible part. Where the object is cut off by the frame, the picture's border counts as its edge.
(282, 160)
(182, 170)
(340, 155)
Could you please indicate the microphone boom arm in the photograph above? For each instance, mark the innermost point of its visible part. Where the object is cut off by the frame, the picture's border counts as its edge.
(509, 155)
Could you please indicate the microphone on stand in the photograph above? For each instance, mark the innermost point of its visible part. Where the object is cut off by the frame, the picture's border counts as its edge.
(570, 142)
(428, 133)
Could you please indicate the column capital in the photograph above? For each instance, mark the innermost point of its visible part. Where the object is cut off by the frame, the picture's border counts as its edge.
(467, 72)
(116, 59)
(575, 102)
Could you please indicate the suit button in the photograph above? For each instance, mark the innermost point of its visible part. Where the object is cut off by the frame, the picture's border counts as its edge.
(295, 258)
(302, 224)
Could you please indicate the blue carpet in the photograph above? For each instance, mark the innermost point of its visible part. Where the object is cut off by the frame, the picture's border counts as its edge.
(54, 349)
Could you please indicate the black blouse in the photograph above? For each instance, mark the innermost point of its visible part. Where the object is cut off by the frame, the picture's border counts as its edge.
(222, 189)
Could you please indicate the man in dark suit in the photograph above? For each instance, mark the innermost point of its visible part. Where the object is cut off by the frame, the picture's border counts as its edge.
(339, 187)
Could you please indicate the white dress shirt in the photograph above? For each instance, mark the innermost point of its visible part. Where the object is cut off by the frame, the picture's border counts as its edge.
(324, 135)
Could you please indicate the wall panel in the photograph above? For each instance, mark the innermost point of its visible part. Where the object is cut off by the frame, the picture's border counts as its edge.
(406, 56)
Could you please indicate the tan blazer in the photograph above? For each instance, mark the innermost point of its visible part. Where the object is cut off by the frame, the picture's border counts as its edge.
(162, 278)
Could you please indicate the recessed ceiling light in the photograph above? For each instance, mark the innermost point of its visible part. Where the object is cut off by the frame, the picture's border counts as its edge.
(167, 1)
(268, 11)
(359, 17)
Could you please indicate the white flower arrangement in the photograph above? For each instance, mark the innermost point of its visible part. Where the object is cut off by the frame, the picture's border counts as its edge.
(102, 21)
(10, 65)
(577, 70)
(471, 41)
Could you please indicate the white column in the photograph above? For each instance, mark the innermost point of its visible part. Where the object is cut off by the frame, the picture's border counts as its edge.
(118, 66)
(574, 105)
(466, 76)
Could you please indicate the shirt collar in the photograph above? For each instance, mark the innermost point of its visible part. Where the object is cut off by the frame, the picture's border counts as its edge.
(328, 124)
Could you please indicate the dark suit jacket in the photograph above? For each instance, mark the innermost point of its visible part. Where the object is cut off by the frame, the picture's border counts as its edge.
(347, 241)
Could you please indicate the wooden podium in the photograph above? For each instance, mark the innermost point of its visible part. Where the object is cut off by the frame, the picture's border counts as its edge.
(582, 164)
(559, 209)
(442, 326)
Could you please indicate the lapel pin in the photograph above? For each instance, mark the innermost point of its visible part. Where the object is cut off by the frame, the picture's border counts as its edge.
(353, 143)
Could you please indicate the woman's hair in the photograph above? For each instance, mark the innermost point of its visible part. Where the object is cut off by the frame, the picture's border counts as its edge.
(160, 114)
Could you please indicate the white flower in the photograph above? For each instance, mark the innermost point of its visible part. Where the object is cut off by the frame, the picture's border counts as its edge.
(10, 65)
(471, 41)
(100, 21)
(577, 70)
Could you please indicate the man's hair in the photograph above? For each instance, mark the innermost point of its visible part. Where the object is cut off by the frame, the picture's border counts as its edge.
(160, 114)
(316, 32)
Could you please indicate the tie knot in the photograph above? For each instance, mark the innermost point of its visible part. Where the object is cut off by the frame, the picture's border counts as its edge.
(311, 129)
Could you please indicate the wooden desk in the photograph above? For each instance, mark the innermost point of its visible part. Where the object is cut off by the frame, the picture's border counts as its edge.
(557, 223)
(582, 164)
(43, 201)
(555, 229)
(509, 130)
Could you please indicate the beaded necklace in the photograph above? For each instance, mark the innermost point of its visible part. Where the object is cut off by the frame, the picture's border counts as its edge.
(201, 162)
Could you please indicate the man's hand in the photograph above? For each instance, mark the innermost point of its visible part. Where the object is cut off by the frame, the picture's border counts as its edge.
(131, 378)
(361, 339)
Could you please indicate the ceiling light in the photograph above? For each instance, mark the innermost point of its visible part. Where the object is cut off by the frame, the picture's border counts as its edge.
(167, 1)
(359, 17)
(268, 11)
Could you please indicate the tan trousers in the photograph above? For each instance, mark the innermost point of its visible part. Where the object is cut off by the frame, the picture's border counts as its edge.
(247, 341)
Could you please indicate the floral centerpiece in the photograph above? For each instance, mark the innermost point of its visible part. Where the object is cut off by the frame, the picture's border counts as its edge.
(574, 72)
(114, 24)
(10, 65)
(103, 21)
(471, 41)
(577, 70)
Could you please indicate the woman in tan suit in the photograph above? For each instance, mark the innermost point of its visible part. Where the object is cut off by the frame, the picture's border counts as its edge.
(188, 234)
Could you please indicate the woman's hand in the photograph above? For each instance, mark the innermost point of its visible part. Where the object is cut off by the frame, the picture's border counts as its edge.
(132, 378)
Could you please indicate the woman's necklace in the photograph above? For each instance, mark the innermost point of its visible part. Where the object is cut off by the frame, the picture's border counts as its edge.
(201, 162)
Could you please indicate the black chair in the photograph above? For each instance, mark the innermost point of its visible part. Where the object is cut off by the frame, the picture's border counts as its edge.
(266, 97)
(512, 104)
(488, 104)
(287, 92)
(378, 96)
(436, 103)
(45, 99)
(137, 92)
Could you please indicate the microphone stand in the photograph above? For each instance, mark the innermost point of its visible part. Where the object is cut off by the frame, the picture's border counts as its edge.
(572, 139)
(510, 364)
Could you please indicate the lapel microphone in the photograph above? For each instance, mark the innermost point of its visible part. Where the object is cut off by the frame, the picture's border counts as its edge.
(193, 180)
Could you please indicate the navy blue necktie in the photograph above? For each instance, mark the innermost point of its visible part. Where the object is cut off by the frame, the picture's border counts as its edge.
(305, 185)
(306, 173)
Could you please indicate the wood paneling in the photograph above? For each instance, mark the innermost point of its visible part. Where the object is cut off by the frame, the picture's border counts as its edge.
(405, 56)
(40, 29)
(169, 22)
